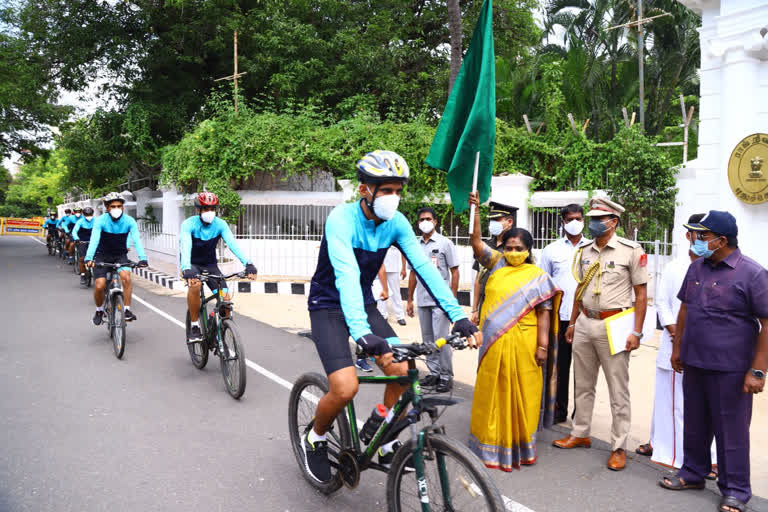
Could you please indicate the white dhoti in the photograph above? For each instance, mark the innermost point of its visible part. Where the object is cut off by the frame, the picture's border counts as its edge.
(667, 422)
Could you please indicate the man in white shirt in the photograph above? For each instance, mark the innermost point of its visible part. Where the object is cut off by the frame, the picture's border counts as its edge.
(557, 259)
(666, 444)
(394, 265)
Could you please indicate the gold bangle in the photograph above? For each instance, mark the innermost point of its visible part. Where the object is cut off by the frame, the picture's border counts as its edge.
(542, 348)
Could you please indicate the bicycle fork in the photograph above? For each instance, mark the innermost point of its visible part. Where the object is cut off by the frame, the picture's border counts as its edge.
(421, 480)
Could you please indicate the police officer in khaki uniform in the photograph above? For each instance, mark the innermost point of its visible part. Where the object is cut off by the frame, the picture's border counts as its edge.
(608, 270)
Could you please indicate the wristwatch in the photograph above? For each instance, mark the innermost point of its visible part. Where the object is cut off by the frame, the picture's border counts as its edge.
(638, 334)
(760, 374)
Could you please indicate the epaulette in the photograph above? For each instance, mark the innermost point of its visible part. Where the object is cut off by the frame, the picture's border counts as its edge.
(629, 243)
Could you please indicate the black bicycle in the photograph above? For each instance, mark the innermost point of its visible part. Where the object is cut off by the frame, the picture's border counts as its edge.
(447, 476)
(60, 245)
(81, 249)
(114, 306)
(50, 242)
(220, 335)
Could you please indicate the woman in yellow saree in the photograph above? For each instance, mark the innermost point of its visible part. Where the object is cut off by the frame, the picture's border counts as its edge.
(509, 403)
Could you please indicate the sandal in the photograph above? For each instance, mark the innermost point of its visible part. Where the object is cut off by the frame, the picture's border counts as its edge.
(645, 450)
(675, 483)
(712, 474)
(731, 502)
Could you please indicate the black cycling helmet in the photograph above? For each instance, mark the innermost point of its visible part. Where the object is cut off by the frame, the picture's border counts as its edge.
(87, 211)
(67, 211)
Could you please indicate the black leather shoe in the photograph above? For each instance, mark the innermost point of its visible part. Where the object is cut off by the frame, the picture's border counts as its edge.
(429, 381)
(444, 386)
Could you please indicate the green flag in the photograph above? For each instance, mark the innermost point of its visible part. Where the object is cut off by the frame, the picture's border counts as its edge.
(468, 124)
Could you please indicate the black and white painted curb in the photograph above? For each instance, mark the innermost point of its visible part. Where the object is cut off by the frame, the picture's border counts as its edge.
(268, 287)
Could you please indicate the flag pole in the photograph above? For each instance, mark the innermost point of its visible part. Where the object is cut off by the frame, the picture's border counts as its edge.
(474, 189)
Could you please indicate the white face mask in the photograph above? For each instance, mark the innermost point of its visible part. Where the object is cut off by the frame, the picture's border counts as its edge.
(384, 207)
(574, 227)
(88, 218)
(116, 213)
(208, 217)
(77, 215)
(426, 226)
(495, 227)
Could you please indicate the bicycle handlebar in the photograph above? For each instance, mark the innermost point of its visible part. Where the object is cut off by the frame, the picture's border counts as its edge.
(407, 351)
(206, 275)
(130, 264)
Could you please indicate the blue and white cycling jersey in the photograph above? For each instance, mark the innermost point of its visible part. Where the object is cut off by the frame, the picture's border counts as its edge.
(110, 237)
(68, 223)
(198, 240)
(351, 253)
(82, 230)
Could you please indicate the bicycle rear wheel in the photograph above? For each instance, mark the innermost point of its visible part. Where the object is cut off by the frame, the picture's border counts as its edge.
(306, 392)
(232, 359)
(198, 351)
(118, 326)
(465, 483)
(51, 248)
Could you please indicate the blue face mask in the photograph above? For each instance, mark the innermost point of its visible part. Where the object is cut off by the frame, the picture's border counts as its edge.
(597, 228)
(701, 248)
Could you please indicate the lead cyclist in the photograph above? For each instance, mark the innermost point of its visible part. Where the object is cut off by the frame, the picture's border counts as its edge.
(341, 304)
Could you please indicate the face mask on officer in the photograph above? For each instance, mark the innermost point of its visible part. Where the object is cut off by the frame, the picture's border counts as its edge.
(701, 247)
(598, 228)
(495, 227)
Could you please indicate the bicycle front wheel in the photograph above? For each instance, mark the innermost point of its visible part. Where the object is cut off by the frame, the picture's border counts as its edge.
(455, 479)
(306, 392)
(118, 326)
(232, 359)
(198, 351)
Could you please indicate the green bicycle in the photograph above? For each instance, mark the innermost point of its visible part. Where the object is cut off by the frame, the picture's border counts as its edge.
(220, 336)
(447, 476)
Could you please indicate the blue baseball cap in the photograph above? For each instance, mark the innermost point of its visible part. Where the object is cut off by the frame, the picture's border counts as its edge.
(722, 223)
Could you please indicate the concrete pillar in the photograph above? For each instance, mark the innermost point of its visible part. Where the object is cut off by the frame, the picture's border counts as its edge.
(172, 210)
(513, 190)
(143, 197)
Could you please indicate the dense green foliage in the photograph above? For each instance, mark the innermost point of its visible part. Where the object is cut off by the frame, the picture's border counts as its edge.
(37, 180)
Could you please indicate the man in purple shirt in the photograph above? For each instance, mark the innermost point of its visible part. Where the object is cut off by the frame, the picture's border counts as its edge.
(721, 341)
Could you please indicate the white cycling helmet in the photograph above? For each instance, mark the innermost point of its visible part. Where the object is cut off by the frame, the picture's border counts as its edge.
(113, 196)
(378, 166)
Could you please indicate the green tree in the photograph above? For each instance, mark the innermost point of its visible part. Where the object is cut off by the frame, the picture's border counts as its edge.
(37, 180)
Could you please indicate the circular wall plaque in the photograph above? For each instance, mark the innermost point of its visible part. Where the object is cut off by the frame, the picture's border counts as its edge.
(748, 169)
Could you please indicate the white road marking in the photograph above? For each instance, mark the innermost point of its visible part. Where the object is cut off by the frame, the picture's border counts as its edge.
(38, 241)
(509, 504)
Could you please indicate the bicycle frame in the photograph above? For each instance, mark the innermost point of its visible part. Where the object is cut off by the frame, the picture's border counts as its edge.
(215, 329)
(391, 427)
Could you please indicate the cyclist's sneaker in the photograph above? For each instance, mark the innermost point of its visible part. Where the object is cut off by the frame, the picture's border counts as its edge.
(195, 334)
(129, 316)
(429, 381)
(386, 460)
(97, 318)
(82, 278)
(363, 365)
(316, 459)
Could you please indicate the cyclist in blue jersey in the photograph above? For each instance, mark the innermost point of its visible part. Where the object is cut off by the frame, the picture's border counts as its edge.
(50, 226)
(81, 234)
(197, 240)
(109, 245)
(68, 225)
(341, 303)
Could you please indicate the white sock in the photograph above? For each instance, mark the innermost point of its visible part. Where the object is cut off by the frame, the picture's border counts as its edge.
(99, 308)
(127, 308)
(313, 437)
(196, 323)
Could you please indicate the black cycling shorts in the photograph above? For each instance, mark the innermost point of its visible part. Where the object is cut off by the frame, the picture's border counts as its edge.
(331, 335)
(99, 272)
(213, 268)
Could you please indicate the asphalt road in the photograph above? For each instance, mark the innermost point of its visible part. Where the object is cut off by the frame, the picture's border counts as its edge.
(83, 431)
